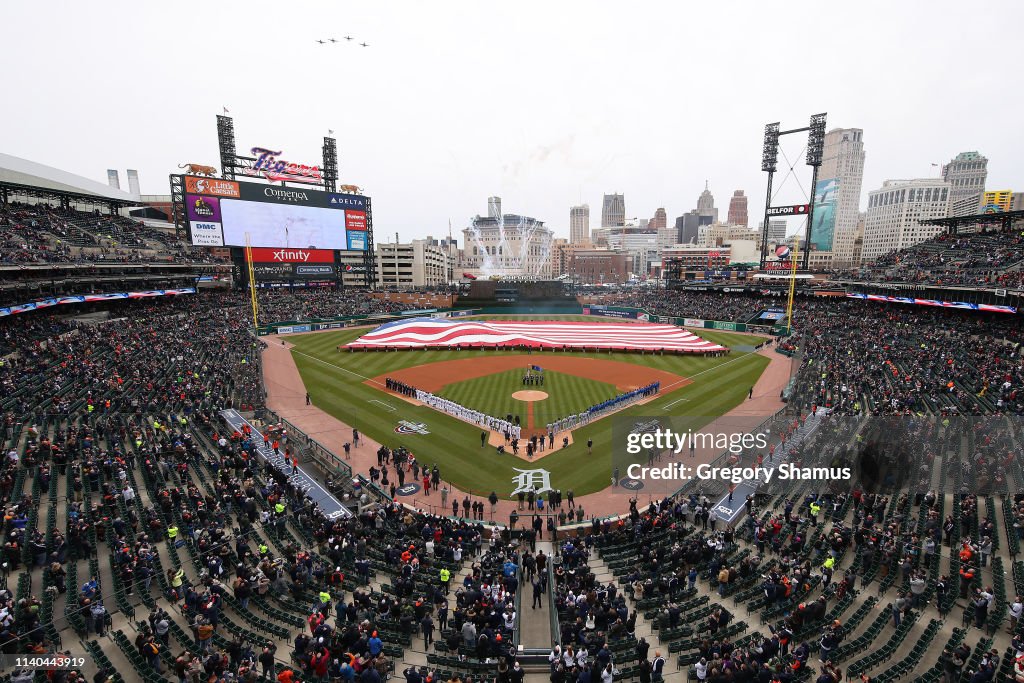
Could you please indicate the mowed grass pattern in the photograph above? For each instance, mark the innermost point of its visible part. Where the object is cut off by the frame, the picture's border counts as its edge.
(335, 381)
(567, 394)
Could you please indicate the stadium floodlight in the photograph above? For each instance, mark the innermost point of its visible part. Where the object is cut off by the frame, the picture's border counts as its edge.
(330, 155)
(816, 140)
(770, 153)
(226, 144)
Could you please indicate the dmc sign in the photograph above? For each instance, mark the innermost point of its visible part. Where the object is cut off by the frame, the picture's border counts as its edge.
(278, 170)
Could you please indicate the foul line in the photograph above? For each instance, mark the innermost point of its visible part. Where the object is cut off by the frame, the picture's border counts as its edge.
(678, 400)
(355, 374)
(716, 367)
(386, 405)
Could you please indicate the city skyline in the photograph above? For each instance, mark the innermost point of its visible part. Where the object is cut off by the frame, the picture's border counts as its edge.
(426, 164)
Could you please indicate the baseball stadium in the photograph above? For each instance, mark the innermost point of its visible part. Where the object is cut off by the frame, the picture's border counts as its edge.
(261, 425)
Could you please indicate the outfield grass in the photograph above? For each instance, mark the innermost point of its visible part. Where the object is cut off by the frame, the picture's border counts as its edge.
(567, 395)
(335, 381)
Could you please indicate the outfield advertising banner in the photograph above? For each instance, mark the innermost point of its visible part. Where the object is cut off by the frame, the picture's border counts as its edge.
(293, 329)
(693, 322)
(613, 312)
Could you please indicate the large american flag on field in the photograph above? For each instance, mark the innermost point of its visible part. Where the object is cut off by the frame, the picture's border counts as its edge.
(442, 333)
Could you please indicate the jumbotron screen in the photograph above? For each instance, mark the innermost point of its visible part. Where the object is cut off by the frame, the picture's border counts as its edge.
(221, 212)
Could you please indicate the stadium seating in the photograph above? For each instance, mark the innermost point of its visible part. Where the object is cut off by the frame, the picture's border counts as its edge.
(91, 409)
(988, 259)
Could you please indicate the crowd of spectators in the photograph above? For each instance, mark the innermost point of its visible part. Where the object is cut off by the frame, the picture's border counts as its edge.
(38, 234)
(134, 400)
(170, 505)
(858, 357)
(990, 259)
(691, 303)
(884, 359)
(322, 302)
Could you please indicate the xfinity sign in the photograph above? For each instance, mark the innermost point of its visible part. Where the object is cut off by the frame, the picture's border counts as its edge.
(274, 255)
(291, 256)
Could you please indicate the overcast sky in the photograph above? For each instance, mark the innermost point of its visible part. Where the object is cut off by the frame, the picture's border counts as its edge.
(545, 104)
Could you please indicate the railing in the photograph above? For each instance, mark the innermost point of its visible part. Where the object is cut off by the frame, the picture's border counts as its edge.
(556, 631)
(516, 631)
(328, 459)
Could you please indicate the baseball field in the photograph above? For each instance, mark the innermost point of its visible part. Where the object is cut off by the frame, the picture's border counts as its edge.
(350, 386)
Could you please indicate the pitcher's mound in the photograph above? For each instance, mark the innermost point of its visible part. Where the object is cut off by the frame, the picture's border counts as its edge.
(530, 395)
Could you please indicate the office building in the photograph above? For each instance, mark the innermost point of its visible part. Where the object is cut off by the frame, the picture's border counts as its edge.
(687, 226)
(579, 224)
(837, 196)
(996, 201)
(660, 219)
(613, 210)
(415, 264)
(776, 230)
(966, 175)
(738, 209)
(509, 245)
(706, 207)
(596, 266)
(1018, 202)
(966, 206)
(896, 211)
(717, 234)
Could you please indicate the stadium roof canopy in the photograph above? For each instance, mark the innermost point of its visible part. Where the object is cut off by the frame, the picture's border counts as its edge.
(954, 223)
(21, 176)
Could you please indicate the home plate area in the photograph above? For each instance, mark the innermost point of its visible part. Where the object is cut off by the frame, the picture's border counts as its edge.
(519, 401)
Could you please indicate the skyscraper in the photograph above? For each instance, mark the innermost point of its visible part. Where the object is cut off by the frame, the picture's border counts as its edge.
(579, 224)
(660, 220)
(706, 207)
(895, 212)
(966, 175)
(738, 209)
(776, 230)
(613, 211)
(687, 227)
(837, 195)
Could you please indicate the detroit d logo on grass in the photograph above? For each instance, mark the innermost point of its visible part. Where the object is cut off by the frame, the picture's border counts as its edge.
(407, 427)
